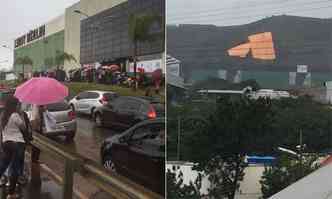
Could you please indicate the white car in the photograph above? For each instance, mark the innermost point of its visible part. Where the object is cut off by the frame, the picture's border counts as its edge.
(86, 102)
(65, 118)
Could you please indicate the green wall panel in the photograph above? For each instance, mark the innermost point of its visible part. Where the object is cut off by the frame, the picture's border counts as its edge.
(267, 79)
(42, 52)
(318, 79)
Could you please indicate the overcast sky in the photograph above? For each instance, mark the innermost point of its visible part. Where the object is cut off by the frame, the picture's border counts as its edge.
(19, 16)
(234, 12)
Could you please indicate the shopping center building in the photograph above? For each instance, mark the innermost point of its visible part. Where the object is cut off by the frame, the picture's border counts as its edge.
(95, 32)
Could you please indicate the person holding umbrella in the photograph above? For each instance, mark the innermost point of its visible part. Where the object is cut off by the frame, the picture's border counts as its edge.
(40, 92)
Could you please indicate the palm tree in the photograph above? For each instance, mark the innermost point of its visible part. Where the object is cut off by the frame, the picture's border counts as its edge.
(48, 62)
(139, 31)
(24, 61)
(61, 57)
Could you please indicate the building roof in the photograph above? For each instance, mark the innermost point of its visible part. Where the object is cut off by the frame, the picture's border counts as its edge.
(172, 60)
(317, 185)
(180, 163)
(175, 80)
(221, 91)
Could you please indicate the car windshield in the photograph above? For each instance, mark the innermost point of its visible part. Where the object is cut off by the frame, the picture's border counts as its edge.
(150, 131)
(60, 106)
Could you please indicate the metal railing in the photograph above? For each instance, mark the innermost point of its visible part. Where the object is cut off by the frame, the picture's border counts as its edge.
(115, 185)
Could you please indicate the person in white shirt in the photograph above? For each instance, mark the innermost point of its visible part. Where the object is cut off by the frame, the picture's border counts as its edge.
(12, 128)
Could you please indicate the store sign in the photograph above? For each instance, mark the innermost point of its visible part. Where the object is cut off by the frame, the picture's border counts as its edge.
(31, 36)
(146, 66)
(302, 68)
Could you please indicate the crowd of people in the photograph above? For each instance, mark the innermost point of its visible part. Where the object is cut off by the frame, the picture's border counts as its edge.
(103, 76)
(58, 74)
(143, 80)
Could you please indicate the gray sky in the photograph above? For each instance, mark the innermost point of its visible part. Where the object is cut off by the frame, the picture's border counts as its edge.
(19, 16)
(234, 12)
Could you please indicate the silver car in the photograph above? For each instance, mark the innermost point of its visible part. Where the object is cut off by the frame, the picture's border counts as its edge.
(86, 102)
(66, 124)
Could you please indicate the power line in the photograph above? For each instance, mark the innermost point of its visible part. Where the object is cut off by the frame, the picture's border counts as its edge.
(250, 16)
(210, 12)
(173, 12)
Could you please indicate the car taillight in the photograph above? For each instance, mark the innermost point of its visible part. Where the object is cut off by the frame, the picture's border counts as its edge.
(71, 115)
(152, 113)
(103, 100)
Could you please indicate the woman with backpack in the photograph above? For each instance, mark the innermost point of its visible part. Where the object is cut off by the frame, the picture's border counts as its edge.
(15, 136)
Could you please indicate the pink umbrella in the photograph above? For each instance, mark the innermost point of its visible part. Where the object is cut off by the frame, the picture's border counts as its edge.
(41, 91)
(114, 67)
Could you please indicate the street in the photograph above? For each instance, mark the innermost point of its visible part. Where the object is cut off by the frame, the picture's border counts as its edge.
(88, 138)
(87, 143)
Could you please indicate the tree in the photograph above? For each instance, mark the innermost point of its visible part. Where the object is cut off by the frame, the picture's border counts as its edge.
(232, 133)
(140, 31)
(284, 173)
(302, 114)
(177, 190)
(190, 116)
(61, 57)
(24, 61)
(48, 62)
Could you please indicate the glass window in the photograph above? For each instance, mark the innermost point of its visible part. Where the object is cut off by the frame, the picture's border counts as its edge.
(61, 106)
(110, 96)
(149, 131)
(134, 105)
(83, 95)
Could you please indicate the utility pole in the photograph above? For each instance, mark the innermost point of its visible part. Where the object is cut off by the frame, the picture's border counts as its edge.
(301, 152)
(179, 138)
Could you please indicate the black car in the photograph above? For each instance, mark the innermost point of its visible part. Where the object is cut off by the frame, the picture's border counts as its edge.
(139, 154)
(125, 111)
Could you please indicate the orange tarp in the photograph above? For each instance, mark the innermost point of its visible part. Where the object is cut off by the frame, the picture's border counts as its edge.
(240, 50)
(261, 46)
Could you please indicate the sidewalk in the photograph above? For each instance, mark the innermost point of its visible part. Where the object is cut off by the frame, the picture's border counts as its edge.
(48, 190)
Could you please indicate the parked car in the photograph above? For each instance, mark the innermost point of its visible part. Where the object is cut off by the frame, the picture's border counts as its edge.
(66, 124)
(86, 102)
(139, 154)
(126, 111)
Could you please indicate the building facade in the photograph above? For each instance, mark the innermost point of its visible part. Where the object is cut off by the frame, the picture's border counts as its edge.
(41, 45)
(99, 35)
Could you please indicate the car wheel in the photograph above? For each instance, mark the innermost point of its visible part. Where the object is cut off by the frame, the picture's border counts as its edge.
(109, 164)
(92, 113)
(98, 120)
